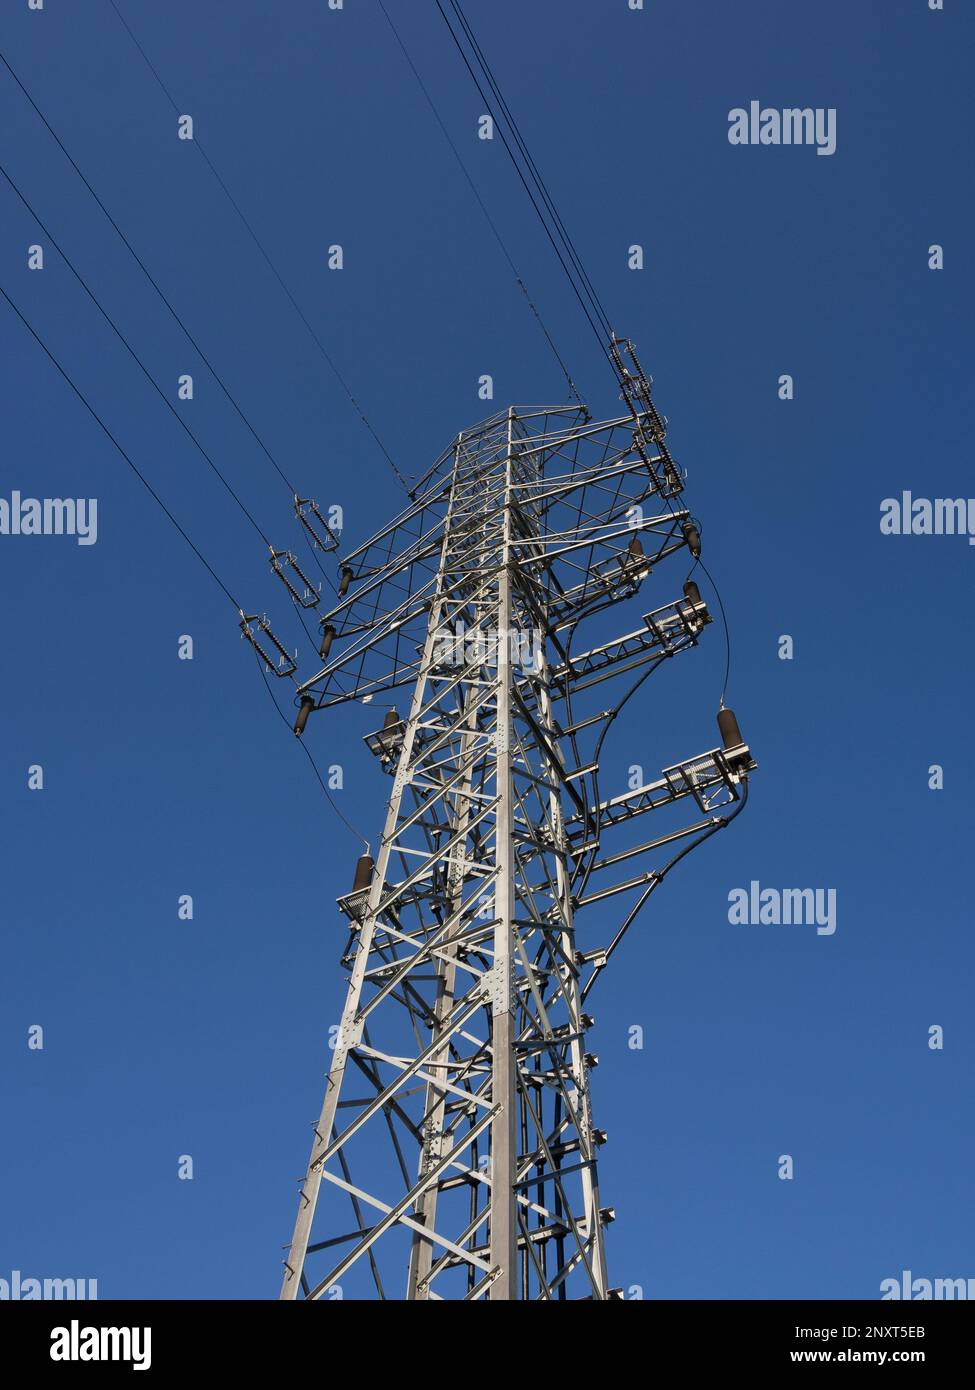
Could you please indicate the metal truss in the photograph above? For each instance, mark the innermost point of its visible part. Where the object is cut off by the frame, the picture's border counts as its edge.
(457, 1129)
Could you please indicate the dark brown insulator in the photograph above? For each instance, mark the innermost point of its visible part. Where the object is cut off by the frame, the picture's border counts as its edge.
(632, 558)
(328, 637)
(345, 581)
(693, 538)
(392, 718)
(364, 870)
(729, 730)
(304, 710)
(691, 592)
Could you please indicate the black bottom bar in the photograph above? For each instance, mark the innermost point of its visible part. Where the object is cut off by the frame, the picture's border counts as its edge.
(268, 1338)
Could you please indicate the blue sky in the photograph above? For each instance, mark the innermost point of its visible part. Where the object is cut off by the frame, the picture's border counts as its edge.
(165, 777)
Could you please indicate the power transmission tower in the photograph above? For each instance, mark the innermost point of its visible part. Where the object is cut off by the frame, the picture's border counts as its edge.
(456, 1151)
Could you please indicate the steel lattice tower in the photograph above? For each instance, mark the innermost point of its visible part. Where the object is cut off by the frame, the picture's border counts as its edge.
(457, 1131)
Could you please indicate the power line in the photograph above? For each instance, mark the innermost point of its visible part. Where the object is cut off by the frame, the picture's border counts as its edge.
(727, 630)
(142, 479)
(103, 426)
(145, 371)
(132, 352)
(718, 823)
(568, 243)
(321, 781)
(270, 264)
(481, 204)
(533, 167)
(216, 376)
(162, 505)
(518, 170)
(145, 270)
